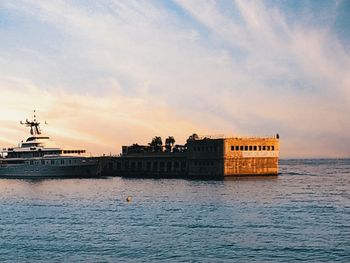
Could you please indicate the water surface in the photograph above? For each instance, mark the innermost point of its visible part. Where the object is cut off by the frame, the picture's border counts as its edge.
(302, 215)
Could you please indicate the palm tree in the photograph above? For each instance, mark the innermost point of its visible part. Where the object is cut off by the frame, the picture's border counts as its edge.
(169, 143)
(156, 143)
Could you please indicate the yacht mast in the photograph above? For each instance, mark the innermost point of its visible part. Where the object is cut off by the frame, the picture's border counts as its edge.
(33, 124)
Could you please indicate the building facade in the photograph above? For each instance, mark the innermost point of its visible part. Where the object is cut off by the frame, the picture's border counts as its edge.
(201, 157)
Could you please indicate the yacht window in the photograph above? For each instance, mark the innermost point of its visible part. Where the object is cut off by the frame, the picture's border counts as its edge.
(34, 138)
(264, 148)
(237, 148)
(272, 148)
(246, 148)
(232, 148)
(255, 147)
(268, 148)
(250, 148)
(241, 148)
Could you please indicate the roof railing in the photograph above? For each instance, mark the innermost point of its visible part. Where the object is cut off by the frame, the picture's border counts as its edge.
(222, 136)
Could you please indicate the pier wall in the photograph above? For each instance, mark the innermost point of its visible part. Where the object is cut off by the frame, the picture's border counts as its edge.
(204, 158)
(147, 165)
(251, 156)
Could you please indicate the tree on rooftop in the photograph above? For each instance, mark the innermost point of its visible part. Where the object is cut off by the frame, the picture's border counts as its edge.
(156, 143)
(169, 143)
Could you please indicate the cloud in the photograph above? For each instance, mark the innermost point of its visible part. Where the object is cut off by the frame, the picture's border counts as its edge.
(295, 77)
(102, 124)
(112, 72)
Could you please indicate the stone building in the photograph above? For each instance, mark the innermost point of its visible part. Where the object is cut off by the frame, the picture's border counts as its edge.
(204, 157)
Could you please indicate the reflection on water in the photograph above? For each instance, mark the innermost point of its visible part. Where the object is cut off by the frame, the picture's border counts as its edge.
(251, 178)
(303, 214)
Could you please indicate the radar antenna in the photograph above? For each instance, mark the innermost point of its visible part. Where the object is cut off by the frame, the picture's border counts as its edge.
(33, 124)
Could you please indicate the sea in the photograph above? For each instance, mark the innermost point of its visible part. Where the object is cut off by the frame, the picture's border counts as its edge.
(302, 215)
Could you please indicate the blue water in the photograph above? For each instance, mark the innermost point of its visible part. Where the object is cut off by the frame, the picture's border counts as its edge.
(303, 215)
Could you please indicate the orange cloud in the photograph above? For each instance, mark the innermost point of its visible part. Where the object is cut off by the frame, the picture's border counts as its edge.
(100, 123)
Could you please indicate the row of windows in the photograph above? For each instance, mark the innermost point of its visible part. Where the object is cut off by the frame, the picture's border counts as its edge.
(253, 148)
(31, 154)
(203, 163)
(54, 162)
(205, 148)
(75, 151)
(151, 166)
(50, 153)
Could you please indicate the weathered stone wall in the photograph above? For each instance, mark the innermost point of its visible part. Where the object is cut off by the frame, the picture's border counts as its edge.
(251, 156)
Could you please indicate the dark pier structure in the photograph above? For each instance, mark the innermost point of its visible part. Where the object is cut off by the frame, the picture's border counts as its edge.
(204, 157)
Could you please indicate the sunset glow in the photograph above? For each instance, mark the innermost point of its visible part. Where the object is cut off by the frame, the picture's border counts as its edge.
(108, 73)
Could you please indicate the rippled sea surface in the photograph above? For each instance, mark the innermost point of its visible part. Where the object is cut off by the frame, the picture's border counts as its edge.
(302, 215)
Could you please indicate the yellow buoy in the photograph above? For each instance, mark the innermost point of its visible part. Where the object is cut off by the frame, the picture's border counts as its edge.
(128, 199)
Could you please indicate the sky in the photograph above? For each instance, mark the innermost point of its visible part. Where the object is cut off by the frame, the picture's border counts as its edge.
(109, 73)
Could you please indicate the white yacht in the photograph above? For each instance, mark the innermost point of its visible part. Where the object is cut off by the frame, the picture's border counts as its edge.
(39, 157)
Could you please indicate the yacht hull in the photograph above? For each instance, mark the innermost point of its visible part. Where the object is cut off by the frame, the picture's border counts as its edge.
(91, 169)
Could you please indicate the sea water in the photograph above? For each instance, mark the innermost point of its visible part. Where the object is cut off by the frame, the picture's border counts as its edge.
(301, 215)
